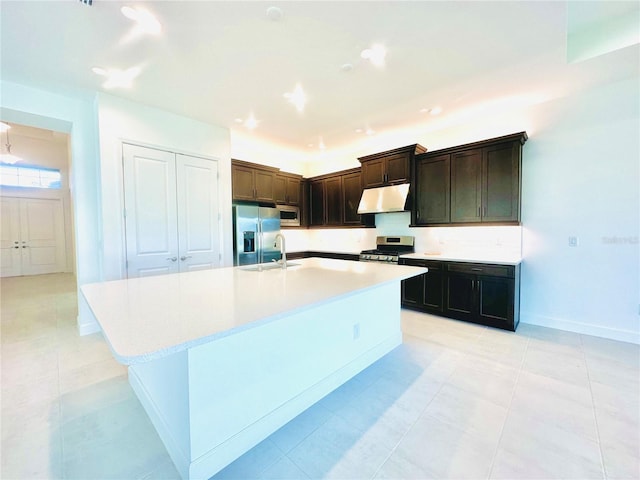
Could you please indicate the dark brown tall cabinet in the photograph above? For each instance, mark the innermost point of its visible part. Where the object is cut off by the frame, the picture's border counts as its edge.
(474, 183)
(390, 167)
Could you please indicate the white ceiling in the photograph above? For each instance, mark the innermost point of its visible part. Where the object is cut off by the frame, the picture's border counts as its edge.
(217, 61)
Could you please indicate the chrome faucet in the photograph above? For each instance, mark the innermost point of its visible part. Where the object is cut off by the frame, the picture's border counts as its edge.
(283, 250)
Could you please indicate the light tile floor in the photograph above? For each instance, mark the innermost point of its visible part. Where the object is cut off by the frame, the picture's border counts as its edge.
(456, 400)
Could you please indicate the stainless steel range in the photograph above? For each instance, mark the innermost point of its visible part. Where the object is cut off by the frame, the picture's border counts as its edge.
(388, 249)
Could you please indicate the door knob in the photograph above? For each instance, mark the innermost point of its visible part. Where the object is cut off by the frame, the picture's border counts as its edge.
(173, 259)
(183, 258)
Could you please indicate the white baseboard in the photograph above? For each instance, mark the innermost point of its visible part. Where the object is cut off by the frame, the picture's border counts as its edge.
(578, 327)
(87, 323)
(87, 328)
(173, 447)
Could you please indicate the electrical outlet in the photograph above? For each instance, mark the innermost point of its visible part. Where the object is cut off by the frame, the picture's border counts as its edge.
(356, 331)
(573, 241)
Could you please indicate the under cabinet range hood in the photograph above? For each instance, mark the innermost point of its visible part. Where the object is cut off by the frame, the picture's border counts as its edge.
(384, 199)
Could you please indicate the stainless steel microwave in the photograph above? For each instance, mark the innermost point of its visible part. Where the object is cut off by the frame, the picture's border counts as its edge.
(289, 215)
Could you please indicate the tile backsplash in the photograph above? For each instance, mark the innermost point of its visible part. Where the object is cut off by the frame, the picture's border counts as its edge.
(467, 240)
(464, 240)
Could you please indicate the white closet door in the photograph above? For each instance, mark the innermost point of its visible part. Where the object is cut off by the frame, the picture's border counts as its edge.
(198, 213)
(42, 236)
(151, 211)
(10, 251)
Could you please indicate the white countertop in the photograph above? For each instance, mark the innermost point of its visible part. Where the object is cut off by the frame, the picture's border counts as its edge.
(494, 257)
(147, 318)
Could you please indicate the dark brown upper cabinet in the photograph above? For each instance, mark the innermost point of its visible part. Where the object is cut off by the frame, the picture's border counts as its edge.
(485, 182)
(252, 182)
(433, 189)
(470, 184)
(390, 167)
(287, 188)
(334, 199)
(316, 203)
(351, 193)
(326, 201)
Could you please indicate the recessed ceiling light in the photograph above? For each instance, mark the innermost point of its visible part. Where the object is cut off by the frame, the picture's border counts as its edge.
(376, 54)
(347, 67)
(435, 111)
(424, 110)
(251, 122)
(297, 97)
(321, 145)
(145, 21)
(370, 131)
(309, 145)
(274, 14)
(358, 130)
(117, 78)
(238, 120)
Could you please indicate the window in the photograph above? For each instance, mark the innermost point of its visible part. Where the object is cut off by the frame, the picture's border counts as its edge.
(30, 177)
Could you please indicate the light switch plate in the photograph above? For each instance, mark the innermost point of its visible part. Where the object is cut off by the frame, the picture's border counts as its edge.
(573, 241)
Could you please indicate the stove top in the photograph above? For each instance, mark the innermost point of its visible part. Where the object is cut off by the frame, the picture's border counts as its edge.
(388, 249)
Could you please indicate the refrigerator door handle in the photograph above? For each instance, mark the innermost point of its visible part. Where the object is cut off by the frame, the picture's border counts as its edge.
(260, 242)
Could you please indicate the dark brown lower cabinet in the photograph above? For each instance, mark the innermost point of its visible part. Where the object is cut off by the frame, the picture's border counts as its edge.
(425, 292)
(481, 293)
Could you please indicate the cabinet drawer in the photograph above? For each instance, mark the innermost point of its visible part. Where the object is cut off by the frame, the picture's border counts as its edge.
(483, 269)
(416, 262)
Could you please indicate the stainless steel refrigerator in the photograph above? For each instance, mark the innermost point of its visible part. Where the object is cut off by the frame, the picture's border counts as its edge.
(254, 234)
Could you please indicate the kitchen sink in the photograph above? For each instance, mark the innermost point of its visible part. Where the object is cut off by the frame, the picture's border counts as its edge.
(268, 266)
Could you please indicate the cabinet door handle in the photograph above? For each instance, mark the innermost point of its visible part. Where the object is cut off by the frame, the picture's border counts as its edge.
(417, 213)
(484, 211)
(476, 269)
(479, 211)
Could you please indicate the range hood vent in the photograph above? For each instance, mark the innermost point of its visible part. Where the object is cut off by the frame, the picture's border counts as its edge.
(384, 199)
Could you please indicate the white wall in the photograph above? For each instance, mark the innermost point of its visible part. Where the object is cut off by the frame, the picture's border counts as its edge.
(121, 120)
(77, 116)
(580, 178)
(252, 148)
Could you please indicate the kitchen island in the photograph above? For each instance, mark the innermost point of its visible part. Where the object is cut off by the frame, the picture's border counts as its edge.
(222, 358)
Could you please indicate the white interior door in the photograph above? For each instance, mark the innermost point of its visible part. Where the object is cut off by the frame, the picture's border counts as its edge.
(151, 211)
(10, 237)
(42, 245)
(198, 213)
(33, 237)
